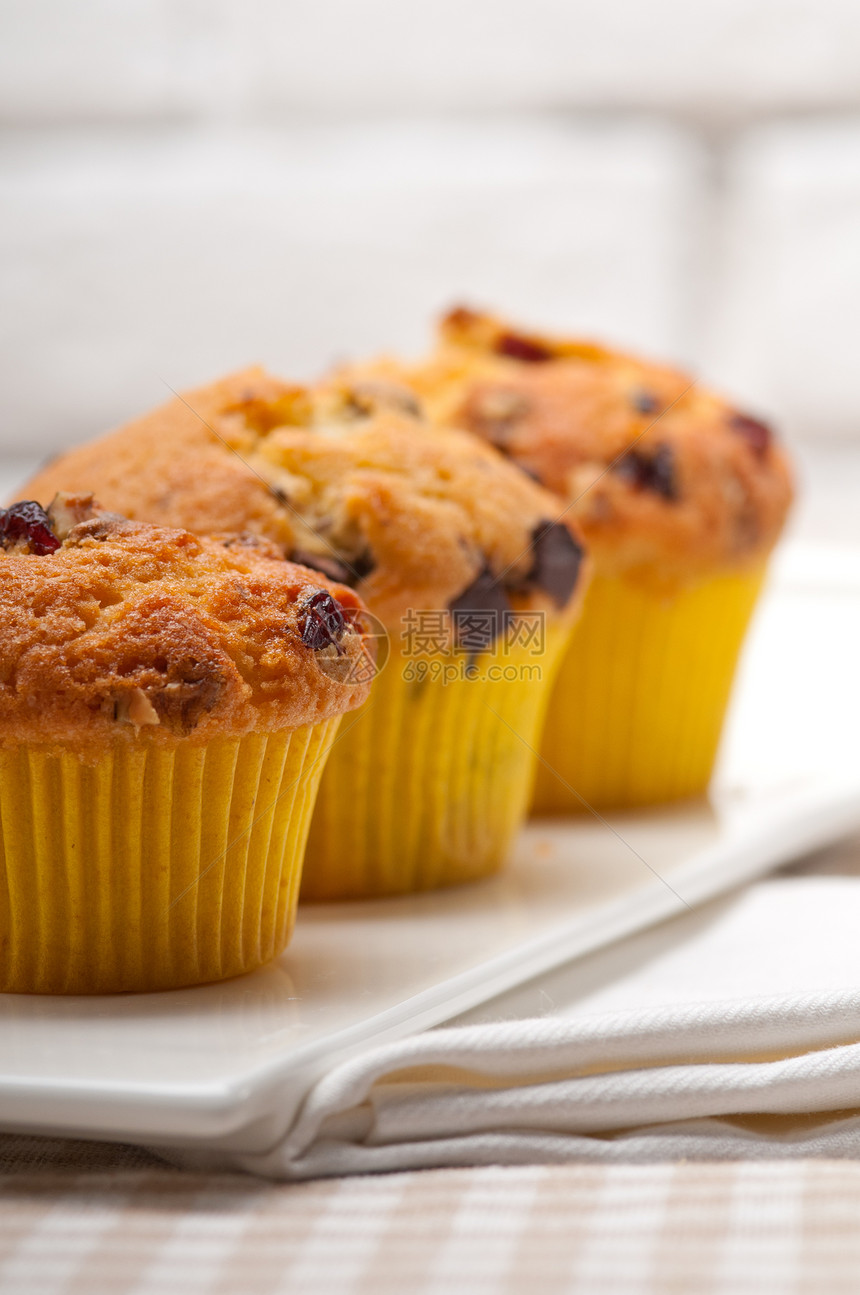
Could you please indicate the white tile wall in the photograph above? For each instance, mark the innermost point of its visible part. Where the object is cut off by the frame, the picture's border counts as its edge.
(98, 59)
(139, 260)
(187, 185)
(787, 330)
(222, 57)
(705, 56)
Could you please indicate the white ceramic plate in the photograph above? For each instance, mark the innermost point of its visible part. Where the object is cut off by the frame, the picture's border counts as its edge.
(228, 1064)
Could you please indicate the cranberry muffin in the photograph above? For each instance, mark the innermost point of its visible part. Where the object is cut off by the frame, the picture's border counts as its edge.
(167, 703)
(681, 498)
(454, 550)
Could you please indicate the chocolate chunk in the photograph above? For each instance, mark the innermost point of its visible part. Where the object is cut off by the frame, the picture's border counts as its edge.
(326, 563)
(322, 622)
(634, 468)
(756, 433)
(361, 567)
(557, 561)
(516, 347)
(644, 402)
(480, 613)
(650, 471)
(531, 473)
(663, 473)
(25, 525)
(348, 571)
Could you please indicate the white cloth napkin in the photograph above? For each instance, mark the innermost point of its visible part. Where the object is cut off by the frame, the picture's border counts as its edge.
(730, 1032)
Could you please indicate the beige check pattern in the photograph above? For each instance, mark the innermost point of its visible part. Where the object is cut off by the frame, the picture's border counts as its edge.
(78, 1219)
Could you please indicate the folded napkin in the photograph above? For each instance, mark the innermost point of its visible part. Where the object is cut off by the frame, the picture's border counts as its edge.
(730, 1032)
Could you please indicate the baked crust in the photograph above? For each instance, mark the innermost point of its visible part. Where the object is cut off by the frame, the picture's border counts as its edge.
(665, 478)
(130, 631)
(345, 475)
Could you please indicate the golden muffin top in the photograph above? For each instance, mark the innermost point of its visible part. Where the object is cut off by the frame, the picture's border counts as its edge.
(349, 479)
(663, 476)
(117, 629)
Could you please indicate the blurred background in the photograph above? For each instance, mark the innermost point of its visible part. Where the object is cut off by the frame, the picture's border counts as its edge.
(191, 185)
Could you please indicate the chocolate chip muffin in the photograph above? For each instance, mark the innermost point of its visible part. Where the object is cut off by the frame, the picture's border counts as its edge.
(454, 550)
(166, 706)
(681, 498)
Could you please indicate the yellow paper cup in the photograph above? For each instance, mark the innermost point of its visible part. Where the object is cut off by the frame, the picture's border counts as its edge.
(639, 702)
(152, 868)
(429, 782)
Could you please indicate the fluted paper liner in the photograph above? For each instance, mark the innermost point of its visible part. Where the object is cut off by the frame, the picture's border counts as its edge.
(638, 705)
(430, 781)
(152, 868)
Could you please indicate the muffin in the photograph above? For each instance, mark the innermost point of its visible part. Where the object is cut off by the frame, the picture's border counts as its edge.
(166, 707)
(455, 552)
(681, 498)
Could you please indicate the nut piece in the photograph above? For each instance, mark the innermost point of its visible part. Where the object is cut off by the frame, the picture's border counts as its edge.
(183, 702)
(99, 528)
(494, 412)
(135, 708)
(65, 511)
(366, 396)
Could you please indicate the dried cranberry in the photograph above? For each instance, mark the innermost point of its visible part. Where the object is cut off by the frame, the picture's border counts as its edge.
(655, 471)
(522, 348)
(557, 561)
(323, 623)
(27, 521)
(756, 433)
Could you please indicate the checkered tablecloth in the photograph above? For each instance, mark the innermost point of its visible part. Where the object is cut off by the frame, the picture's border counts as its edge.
(89, 1220)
